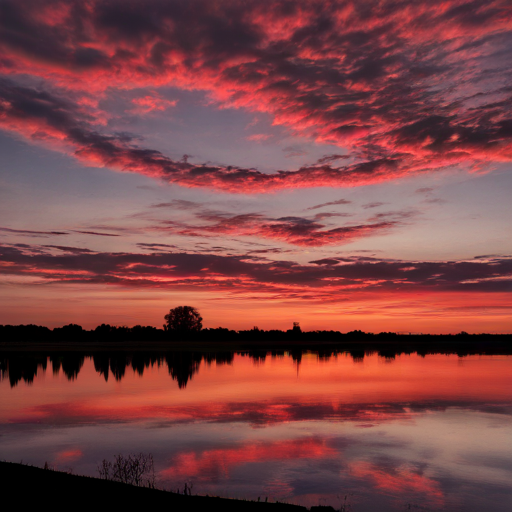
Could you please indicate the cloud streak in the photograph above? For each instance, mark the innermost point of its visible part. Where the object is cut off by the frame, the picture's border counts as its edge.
(45, 234)
(331, 203)
(32, 233)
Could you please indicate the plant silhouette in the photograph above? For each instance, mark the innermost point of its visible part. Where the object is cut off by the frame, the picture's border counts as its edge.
(135, 470)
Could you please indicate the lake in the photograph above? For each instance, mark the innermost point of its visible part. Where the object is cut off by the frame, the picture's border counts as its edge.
(370, 433)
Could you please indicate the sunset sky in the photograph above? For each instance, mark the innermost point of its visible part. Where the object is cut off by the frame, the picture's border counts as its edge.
(345, 164)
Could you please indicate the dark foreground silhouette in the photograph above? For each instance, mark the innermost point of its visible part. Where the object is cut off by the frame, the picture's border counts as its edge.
(29, 487)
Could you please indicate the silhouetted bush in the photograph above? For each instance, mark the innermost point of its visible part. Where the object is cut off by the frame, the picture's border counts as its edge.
(135, 470)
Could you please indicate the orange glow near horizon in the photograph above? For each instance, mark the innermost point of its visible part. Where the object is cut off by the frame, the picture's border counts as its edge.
(413, 311)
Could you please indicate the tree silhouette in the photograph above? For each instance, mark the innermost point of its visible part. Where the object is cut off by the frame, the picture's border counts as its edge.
(183, 319)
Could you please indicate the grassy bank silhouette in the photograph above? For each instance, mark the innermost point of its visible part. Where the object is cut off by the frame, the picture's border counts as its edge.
(31, 487)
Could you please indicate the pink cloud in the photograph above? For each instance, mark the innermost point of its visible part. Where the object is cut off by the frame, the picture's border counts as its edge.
(147, 104)
(407, 88)
(399, 481)
(258, 137)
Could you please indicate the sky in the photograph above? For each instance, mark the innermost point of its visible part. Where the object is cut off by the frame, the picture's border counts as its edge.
(345, 165)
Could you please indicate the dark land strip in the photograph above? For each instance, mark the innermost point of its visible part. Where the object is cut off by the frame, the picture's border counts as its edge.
(106, 337)
(30, 488)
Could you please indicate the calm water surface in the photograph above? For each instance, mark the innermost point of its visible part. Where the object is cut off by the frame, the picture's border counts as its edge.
(429, 433)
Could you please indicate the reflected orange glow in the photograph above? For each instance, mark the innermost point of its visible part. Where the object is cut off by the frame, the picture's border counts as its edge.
(274, 391)
(385, 430)
(69, 455)
(222, 461)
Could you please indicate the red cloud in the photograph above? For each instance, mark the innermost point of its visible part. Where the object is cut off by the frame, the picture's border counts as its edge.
(408, 87)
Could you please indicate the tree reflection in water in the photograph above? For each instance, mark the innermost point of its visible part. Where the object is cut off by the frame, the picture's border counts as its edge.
(182, 365)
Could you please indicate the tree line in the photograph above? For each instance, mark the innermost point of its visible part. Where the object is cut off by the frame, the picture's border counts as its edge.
(185, 323)
(139, 333)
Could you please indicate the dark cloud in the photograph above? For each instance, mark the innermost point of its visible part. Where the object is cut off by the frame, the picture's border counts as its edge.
(293, 151)
(331, 158)
(95, 233)
(270, 250)
(319, 280)
(326, 261)
(32, 233)
(424, 190)
(376, 204)
(180, 204)
(394, 216)
(329, 215)
(157, 247)
(64, 248)
(331, 203)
